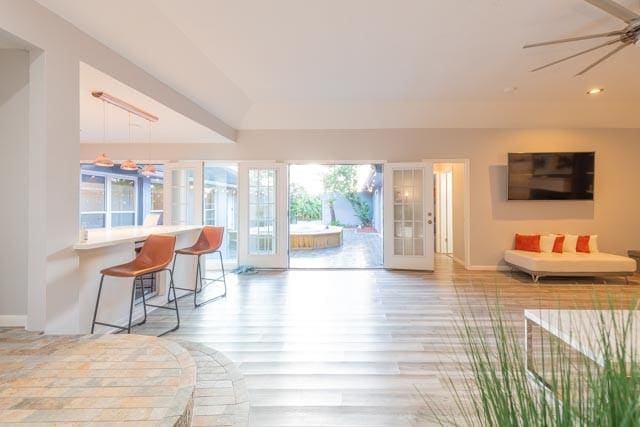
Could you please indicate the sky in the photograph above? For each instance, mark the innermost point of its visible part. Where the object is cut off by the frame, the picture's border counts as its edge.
(309, 176)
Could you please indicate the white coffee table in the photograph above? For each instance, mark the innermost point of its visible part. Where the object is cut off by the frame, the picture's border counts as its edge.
(580, 330)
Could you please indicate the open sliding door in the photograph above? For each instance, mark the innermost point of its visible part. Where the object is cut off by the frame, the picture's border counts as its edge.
(263, 219)
(408, 219)
(183, 193)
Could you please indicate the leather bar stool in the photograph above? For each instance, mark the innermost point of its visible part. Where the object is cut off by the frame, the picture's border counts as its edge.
(209, 242)
(155, 256)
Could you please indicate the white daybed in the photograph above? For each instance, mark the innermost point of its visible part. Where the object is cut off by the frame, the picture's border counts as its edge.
(539, 264)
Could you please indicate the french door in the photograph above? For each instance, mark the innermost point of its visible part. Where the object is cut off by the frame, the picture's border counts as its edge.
(183, 193)
(263, 221)
(408, 220)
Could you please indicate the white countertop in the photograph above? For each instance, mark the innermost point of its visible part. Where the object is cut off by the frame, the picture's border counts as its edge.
(112, 236)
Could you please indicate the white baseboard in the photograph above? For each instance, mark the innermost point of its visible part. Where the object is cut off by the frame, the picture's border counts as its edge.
(13, 320)
(458, 260)
(488, 267)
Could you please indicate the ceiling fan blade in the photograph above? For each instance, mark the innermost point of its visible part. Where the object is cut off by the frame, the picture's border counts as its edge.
(607, 56)
(615, 9)
(575, 39)
(609, 43)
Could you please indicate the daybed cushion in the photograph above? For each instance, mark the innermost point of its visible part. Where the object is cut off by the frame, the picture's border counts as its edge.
(598, 262)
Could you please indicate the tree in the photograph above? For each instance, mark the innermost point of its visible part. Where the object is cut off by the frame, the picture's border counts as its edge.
(340, 179)
(304, 206)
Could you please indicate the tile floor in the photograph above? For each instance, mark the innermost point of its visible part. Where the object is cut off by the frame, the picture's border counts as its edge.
(362, 347)
(358, 250)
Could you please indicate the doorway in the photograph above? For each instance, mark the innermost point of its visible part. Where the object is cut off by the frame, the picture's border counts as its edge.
(335, 216)
(449, 209)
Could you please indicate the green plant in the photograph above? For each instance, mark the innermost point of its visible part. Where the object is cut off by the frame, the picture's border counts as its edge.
(342, 179)
(361, 208)
(499, 392)
(303, 206)
(339, 179)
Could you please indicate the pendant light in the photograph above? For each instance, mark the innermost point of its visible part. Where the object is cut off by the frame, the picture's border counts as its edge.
(148, 169)
(129, 165)
(103, 160)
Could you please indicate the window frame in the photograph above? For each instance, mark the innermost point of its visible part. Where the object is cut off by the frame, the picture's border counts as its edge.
(151, 210)
(109, 212)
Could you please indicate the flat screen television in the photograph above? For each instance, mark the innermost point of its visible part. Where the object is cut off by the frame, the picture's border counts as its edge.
(551, 176)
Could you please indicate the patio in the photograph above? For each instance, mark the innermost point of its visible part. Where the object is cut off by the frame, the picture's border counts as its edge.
(358, 250)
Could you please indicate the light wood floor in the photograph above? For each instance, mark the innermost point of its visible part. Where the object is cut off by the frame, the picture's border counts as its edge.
(362, 348)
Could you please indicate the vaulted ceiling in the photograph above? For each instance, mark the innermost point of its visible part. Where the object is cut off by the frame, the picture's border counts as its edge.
(318, 64)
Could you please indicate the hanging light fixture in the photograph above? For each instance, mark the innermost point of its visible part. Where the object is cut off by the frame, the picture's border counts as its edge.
(129, 165)
(103, 160)
(148, 169)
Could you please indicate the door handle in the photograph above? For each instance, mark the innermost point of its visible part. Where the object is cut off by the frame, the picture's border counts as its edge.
(429, 222)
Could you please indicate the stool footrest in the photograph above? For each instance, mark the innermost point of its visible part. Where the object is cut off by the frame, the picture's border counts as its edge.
(124, 328)
(161, 306)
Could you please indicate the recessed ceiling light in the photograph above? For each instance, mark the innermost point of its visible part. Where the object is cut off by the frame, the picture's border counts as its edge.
(510, 89)
(595, 91)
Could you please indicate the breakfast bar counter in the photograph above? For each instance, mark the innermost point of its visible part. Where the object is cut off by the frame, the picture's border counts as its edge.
(109, 247)
(113, 236)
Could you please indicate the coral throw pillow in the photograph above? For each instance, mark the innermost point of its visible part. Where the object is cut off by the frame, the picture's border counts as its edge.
(583, 244)
(528, 242)
(558, 244)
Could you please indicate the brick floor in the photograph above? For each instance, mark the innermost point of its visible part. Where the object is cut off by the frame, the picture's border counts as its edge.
(358, 250)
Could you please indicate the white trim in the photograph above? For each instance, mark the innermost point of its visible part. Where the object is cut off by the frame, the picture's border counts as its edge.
(336, 162)
(13, 320)
(487, 267)
(458, 260)
(467, 205)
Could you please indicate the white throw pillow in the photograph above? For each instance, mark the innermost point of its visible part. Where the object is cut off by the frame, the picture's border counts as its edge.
(546, 243)
(570, 243)
(593, 243)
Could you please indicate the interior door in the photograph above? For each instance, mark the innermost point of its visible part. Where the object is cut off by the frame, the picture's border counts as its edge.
(263, 219)
(408, 218)
(183, 193)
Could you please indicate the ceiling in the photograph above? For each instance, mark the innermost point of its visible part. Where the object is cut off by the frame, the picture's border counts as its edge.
(8, 41)
(103, 122)
(333, 64)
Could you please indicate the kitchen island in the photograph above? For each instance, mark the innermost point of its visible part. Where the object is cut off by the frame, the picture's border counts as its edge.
(109, 247)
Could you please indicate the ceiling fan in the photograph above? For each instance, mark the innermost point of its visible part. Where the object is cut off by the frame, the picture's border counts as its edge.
(622, 38)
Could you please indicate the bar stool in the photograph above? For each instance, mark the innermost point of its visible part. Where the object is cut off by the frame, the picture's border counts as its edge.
(154, 257)
(208, 242)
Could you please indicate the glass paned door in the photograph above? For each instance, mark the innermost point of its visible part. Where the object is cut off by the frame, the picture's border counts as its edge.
(221, 209)
(183, 193)
(263, 215)
(408, 229)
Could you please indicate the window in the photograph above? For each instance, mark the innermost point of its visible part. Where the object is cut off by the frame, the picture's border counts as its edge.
(107, 200)
(157, 196)
(123, 201)
(93, 191)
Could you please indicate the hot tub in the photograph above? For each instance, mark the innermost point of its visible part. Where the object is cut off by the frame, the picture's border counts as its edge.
(314, 236)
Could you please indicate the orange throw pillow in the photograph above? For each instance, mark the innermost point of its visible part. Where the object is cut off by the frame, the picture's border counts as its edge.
(557, 245)
(583, 244)
(528, 242)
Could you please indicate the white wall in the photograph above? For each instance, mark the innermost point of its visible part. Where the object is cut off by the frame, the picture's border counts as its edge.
(493, 219)
(14, 144)
(56, 49)
(458, 212)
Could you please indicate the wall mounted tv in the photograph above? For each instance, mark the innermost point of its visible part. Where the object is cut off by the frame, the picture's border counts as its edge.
(551, 176)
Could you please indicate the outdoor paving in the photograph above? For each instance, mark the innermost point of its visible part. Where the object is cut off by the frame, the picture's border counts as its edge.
(358, 250)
